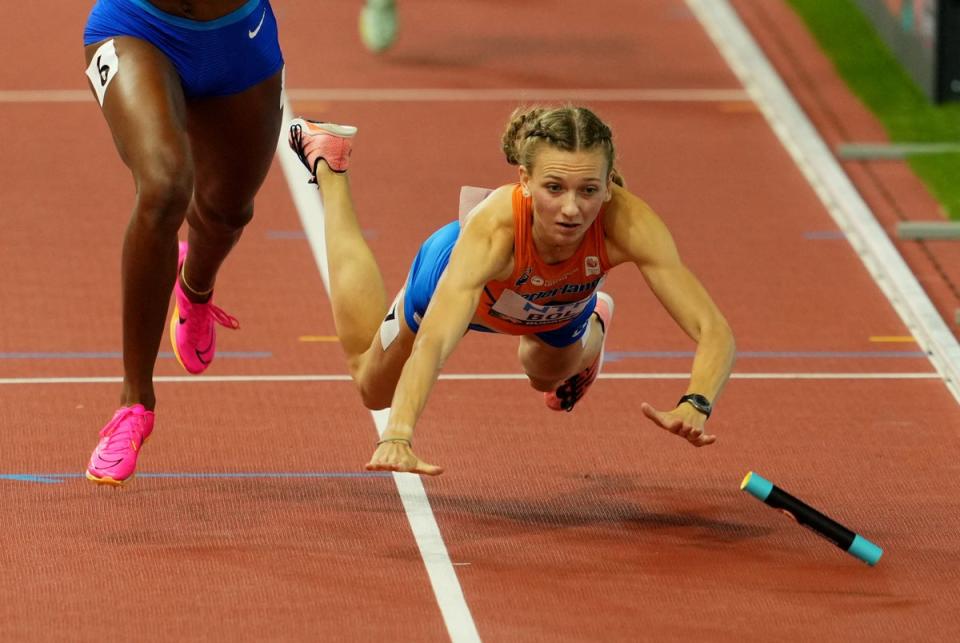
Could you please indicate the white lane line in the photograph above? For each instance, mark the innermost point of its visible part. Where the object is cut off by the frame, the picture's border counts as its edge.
(47, 96)
(443, 577)
(833, 186)
(520, 95)
(411, 95)
(470, 377)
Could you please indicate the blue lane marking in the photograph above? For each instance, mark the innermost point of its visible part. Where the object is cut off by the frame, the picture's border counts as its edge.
(119, 355)
(286, 234)
(614, 356)
(54, 478)
(27, 477)
(300, 234)
(824, 234)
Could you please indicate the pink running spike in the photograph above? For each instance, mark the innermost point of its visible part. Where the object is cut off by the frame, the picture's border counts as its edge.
(192, 330)
(115, 458)
(565, 397)
(313, 141)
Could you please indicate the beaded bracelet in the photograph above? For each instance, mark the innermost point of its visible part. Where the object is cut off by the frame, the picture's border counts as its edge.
(407, 440)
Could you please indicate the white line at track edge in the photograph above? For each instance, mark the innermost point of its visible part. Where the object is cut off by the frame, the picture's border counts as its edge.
(427, 94)
(834, 188)
(463, 377)
(443, 577)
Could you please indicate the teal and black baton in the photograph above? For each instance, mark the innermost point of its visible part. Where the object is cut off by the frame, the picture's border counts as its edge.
(850, 542)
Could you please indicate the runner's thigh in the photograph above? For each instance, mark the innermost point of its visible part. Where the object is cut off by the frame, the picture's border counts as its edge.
(377, 371)
(234, 139)
(144, 106)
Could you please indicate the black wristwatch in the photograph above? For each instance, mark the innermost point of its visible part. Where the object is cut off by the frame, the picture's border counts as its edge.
(698, 402)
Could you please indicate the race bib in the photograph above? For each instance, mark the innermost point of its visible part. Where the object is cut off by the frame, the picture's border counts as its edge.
(517, 310)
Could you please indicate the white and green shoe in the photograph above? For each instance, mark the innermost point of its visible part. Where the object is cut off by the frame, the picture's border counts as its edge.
(378, 24)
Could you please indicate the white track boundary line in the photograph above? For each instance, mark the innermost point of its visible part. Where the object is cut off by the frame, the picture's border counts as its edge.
(521, 95)
(833, 186)
(468, 377)
(443, 577)
(411, 95)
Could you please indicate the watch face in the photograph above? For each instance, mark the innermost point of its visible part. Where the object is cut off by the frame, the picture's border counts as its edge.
(698, 402)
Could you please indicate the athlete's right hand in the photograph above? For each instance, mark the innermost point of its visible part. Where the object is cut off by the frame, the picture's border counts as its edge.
(397, 455)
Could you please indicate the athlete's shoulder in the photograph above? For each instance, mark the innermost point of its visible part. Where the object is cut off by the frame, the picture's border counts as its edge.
(624, 203)
(493, 211)
(485, 244)
(627, 211)
(630, 226)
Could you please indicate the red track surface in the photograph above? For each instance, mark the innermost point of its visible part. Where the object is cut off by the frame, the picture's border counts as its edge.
(588, 526)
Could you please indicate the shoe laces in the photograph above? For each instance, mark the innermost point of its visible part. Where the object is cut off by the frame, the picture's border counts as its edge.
(297, 143)
(123, 428)
(570, 392)
(202, 317)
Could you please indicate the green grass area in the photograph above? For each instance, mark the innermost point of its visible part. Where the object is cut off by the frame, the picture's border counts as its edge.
(872, 72)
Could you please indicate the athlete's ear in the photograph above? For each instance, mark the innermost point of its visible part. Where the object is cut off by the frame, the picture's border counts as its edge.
(609, 196)
(524, 181)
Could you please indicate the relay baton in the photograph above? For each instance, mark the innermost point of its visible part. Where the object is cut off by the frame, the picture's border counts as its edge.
(850, 542)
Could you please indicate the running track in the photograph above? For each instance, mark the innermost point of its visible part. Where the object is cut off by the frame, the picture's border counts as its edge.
(252, 517)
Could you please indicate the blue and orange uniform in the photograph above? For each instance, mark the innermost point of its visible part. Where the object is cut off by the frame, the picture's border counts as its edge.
(552, 301)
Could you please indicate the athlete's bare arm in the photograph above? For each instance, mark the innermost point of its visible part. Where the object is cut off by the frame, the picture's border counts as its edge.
(636, 234)
(484, 252)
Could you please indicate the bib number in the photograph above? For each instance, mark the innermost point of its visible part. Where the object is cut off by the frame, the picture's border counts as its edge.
(515, 309)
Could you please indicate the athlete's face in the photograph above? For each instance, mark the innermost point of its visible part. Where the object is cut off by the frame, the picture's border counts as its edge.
(568, 189)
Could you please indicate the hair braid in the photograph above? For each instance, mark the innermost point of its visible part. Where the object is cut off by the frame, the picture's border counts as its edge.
(566, 128)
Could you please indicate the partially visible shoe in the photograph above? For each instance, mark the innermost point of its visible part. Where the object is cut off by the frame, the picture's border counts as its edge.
(314, 141)
(575, 387)
(378, 25)
(193, 333)
(115, 458)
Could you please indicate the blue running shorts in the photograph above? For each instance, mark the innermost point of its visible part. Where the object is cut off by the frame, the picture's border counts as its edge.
(213, 58)
(429, 265)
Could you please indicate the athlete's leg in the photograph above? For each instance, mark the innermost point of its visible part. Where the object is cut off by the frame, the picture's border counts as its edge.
(548, 366)
(377, 371)
(358, 297)
(575, 349)
(376, 339)
(357, 293)
(144, 107)
(233, 139)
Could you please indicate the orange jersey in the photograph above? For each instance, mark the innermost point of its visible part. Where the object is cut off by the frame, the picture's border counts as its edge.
(540, 297)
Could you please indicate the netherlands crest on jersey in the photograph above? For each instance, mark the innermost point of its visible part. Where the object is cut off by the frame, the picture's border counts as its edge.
(591, 265)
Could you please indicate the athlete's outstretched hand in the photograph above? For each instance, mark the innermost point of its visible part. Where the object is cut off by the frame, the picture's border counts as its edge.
(397, 455)
(685, 421)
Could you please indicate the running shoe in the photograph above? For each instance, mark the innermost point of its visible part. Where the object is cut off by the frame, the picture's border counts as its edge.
(378, 25)
(192, 327)
(313, 141)
(575, 387)
(115, 458)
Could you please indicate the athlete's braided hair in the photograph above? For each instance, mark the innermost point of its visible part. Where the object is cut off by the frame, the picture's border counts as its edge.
(566, 128)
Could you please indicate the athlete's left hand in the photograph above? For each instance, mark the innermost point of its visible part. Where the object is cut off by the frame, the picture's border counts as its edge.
(397, 455)
(685, 421)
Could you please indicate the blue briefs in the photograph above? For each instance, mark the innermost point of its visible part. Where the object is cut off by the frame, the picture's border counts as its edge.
(213, 58)
(429, 265)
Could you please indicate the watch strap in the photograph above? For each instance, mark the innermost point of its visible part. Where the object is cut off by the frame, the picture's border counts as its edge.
(699, 402)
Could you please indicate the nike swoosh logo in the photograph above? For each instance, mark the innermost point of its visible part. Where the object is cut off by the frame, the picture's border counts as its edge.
(253, 32)
(103, 463)
(202, 352)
